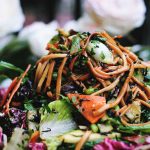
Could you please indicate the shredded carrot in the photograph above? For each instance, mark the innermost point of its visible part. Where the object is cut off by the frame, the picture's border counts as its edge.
(6, 106)
(59, 78)
(41, 70)
(39, 86)
(121, 110)
(83, 140)
(71, 65)
(84, 77)
(125, 110)
(34, 137)
(37, 72)
(122, 102)
(10, 88)
(49, 75)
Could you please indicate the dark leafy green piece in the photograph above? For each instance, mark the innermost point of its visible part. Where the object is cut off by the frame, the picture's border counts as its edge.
(5, 65)
(18, 53)
(145, 114)
(132, 129)
(9, 69)
(55, 39)
(75, 47)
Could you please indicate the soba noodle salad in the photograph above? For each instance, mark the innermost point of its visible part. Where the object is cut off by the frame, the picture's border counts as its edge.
(88, 92)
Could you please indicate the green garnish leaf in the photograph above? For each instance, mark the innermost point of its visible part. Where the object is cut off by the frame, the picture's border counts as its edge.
(75, 47)
(8, 66)
(57, 121)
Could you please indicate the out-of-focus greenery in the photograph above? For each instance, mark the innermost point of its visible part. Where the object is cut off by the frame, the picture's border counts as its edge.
(18, 53)
(142, 51)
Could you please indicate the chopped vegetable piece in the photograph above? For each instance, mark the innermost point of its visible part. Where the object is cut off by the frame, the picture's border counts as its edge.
(34, 137)
(57, 121)
(100, 52)
(86, 104)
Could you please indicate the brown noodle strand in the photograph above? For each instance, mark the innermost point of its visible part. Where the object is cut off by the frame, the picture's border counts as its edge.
(49, 75)
(108, 88)
(39, 86)
(59, 78)
(121, 94)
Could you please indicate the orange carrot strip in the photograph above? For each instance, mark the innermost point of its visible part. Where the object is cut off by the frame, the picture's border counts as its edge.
(15, 89)
(59, 78)
(49, 75)
(42, 79)
(83, 140)
(41, 70)
(10, 88)
(34, 137)
(71, 65)
(122, 102)
(37, 72)
(121, 110)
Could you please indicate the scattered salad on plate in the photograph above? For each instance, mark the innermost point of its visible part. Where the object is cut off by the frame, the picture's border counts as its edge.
(89, 92)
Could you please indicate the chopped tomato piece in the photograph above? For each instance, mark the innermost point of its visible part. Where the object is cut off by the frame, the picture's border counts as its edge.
(86, 104)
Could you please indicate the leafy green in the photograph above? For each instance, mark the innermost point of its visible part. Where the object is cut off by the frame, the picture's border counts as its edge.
(55, 39)
(18, 52)
(57, 120)
(53, 143)
(147, 78)
(9, 70)
(5, 65)
(132, 129)
(28, 105)
(145, 114)
(75, 47)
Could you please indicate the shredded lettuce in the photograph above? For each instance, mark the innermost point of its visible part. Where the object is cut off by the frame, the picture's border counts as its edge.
(56, 120)
(53, 143)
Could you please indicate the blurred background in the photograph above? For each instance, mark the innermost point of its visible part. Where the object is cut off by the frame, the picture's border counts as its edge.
(27, 25)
